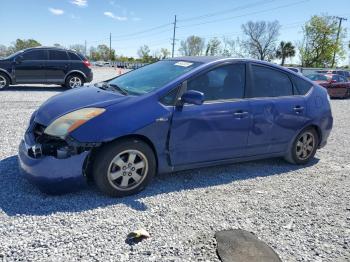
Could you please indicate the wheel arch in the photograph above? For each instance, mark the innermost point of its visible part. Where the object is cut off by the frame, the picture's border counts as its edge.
(318, 131)
(7, 74)
(88, 164)
(75, 72)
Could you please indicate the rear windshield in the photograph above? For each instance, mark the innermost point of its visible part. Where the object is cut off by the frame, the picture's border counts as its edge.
(151, 77)
(317, 77)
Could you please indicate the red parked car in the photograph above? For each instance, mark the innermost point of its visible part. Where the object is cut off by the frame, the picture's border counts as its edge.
(336, 85)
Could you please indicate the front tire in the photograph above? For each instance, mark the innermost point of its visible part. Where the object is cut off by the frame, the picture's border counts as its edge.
(304, 147)
(74, 81)
(123, 168)
(4, 81)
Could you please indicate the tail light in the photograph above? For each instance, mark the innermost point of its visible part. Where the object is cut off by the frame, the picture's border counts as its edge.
(87, 63)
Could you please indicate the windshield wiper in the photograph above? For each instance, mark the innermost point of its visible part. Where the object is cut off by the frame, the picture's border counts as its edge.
(107, 86)
(121, 90)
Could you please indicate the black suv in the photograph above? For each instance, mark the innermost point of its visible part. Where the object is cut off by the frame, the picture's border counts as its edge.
(45, 65)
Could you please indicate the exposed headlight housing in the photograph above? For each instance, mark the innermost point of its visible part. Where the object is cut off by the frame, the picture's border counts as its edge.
(71, 121)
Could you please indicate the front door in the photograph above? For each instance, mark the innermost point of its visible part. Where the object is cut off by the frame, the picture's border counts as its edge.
(31, 67)
(217, 129)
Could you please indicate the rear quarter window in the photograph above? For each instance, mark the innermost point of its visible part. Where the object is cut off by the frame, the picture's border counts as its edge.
(74, 56)
(301, 86)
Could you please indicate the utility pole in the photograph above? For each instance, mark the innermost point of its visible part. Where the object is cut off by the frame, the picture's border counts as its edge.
(174, 33)
(338, 34)
(85, 51)
(110, 46)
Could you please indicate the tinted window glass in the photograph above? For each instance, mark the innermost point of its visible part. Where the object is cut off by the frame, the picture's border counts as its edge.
(74, 56)
(342, 79)
(301, 86)
(336, 78)
(226, 82)
(35, 55)
(58, 55)
(270, 83)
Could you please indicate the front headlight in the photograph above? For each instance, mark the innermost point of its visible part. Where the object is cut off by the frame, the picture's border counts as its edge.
(71, 121)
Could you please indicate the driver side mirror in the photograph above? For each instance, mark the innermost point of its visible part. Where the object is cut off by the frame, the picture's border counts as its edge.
(192, 97)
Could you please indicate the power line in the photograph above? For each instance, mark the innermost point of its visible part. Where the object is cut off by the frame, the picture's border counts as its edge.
(247, 14)
(137, 37)
(144, 31)
(239, 8)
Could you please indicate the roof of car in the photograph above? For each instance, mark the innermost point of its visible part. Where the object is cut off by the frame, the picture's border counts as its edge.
(208, 59)
(201, 59)
(50, 47)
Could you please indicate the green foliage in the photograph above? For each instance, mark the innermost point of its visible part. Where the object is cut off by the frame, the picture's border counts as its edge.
(319, 44)
(285, 50)
(21, 44)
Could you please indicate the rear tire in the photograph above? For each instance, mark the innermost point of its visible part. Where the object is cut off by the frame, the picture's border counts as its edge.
(4, 81)
(123, 168)
(304, 147)
(74, 81)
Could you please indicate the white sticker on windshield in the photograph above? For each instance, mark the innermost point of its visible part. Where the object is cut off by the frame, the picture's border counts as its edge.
(184, 64)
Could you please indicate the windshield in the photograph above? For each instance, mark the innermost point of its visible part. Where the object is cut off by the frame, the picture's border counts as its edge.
(152, 77)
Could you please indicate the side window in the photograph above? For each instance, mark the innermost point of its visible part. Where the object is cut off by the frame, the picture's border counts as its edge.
(225, 82)
(74, 56)
(342, 79)
(35, 55)
(336, 78)
(58, 55)
(301, 86)
(269, 82)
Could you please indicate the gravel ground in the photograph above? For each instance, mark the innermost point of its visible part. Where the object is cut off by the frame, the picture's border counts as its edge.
(303, 213)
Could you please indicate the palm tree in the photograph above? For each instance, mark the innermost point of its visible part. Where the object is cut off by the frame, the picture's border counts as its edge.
(284, 51)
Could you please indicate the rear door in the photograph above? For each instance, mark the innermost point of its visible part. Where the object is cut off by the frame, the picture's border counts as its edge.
(277, 111)
(57, 66)
(31, 67)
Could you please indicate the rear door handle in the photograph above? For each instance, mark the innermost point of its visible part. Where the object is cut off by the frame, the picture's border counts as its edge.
(240, 114)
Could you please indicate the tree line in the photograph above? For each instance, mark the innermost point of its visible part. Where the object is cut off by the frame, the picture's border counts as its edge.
(322, 39)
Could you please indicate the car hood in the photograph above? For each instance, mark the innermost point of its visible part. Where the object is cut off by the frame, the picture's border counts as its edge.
(75, 99)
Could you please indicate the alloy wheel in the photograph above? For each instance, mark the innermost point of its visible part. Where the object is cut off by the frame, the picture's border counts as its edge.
(127, 170)
(75, 82)
(305, 145)
(3, 82)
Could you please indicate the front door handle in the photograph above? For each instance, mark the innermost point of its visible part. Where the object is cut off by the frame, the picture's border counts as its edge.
(240, 114)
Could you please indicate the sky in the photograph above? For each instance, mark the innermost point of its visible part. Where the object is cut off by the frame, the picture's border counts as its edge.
(133, 23)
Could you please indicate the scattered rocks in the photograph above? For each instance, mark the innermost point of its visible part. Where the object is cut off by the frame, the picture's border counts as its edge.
(262, 197)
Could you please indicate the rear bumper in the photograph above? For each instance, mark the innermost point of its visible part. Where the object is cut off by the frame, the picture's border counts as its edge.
(52, 175)
(89, 77)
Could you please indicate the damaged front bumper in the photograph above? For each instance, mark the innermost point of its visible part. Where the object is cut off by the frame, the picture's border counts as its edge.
(54, 166)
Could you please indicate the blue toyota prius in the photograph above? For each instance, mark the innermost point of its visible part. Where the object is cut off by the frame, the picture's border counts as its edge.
(175, 114)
